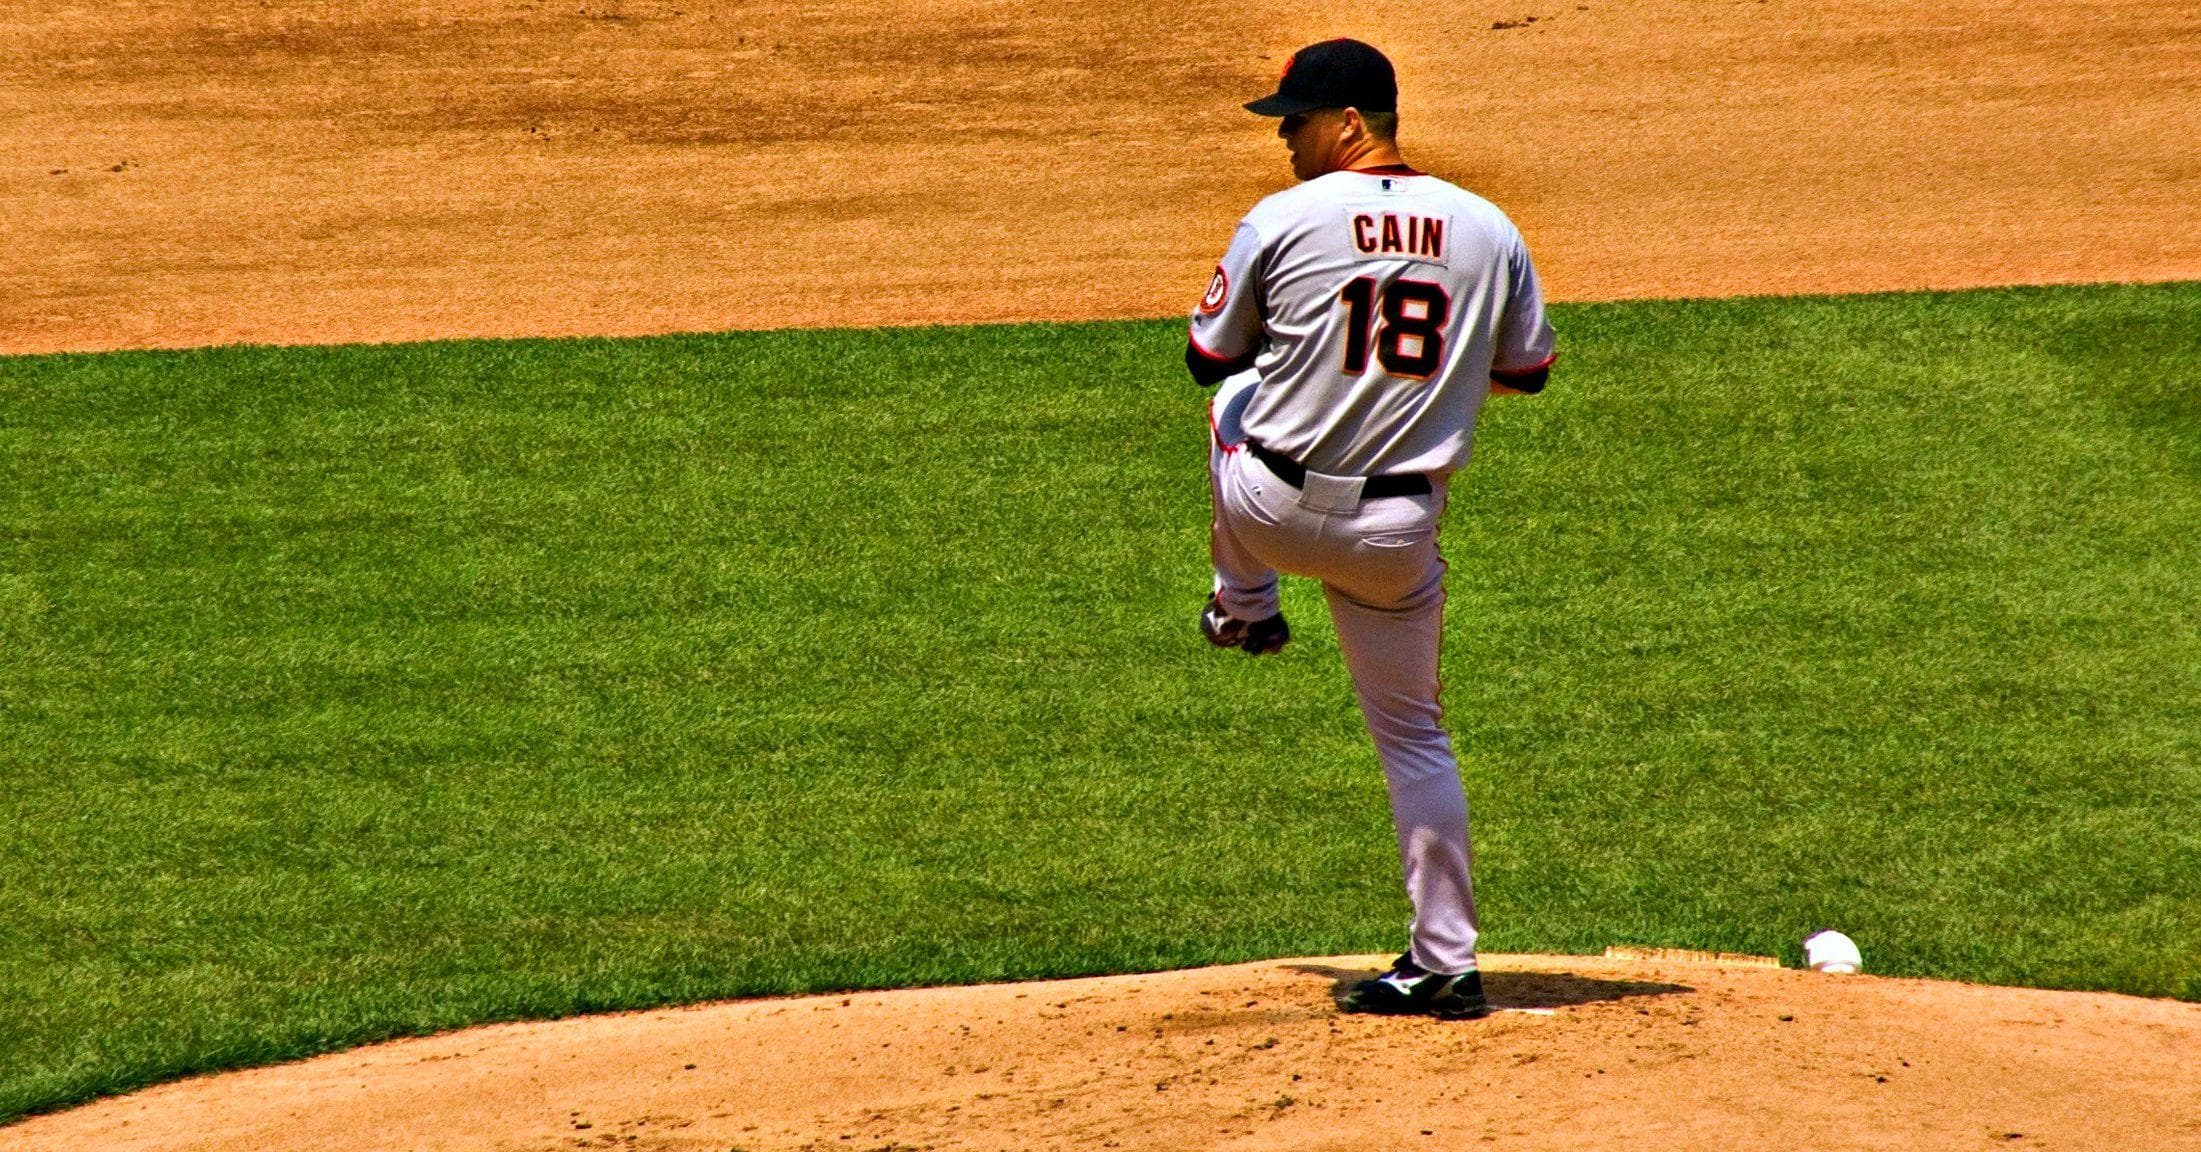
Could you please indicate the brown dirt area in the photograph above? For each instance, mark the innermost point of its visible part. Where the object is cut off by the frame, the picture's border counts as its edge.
(1587, 1053)
(182, 172)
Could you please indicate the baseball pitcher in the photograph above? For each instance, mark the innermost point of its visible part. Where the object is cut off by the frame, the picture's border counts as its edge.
(1355, 324)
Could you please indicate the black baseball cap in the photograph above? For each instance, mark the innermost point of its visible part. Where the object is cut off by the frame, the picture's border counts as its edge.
(1332, 74)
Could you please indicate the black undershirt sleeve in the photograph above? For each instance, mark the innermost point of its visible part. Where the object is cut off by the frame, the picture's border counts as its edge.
(1530, 381)
(1210, 371)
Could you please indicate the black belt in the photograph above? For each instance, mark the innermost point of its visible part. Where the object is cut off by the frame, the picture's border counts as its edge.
(1294, 473)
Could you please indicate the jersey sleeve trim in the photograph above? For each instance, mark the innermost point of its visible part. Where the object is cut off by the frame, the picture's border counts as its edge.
(1529, 380)
(1540, 367)
(1192, 342)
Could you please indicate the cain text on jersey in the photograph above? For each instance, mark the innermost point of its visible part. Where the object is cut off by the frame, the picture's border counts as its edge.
(1389, 233)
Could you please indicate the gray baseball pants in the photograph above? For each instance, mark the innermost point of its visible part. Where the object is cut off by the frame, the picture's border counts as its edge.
(1380, 571)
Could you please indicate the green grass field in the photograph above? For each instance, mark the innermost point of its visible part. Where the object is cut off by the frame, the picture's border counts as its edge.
(354, 692)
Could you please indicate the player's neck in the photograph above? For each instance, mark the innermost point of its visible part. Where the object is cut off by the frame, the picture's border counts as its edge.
(1369, 154)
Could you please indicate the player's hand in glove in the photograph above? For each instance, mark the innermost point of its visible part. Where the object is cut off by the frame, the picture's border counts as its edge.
(1254, 637)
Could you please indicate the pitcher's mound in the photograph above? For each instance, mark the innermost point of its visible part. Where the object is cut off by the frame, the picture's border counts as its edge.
(1584, 1053)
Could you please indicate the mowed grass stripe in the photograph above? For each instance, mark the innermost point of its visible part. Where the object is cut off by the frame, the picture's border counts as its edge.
(352, 692)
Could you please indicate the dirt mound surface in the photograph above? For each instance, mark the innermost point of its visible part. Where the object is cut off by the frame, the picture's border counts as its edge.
(1585, 1053)
(183, 172)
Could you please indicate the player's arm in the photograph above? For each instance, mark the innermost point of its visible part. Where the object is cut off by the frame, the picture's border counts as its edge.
(1521, 363)
(1226, 327)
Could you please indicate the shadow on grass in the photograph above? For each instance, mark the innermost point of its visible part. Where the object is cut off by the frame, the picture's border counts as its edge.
(1514, 989)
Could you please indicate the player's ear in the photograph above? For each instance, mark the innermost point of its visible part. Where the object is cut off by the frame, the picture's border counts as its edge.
(1351, 126)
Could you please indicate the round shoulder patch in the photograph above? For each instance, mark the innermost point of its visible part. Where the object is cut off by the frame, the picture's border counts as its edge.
(1218, 293)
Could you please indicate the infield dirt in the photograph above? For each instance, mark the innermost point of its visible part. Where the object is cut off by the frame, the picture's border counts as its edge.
(190, 173)
(1585, 1054)
(183, 172)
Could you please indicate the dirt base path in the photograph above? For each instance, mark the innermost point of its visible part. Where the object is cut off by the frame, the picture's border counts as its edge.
(178, 172)
(1587, 1053)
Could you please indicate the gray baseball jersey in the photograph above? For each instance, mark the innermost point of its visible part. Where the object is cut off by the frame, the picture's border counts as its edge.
(1378, 303)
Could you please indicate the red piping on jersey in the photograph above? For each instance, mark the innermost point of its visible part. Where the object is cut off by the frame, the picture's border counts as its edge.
(1215, 429)
(1547, 362)
(1207, 355)
(1387, 170)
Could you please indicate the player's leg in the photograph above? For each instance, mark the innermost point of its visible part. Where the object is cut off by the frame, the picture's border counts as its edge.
(1384, 579)
(1245, 584)
(1389, 610)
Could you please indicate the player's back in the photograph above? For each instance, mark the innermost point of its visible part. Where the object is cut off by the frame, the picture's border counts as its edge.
(1384, 297)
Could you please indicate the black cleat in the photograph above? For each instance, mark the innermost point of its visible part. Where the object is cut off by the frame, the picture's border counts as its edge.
(1407, 990)
(1254, 637)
